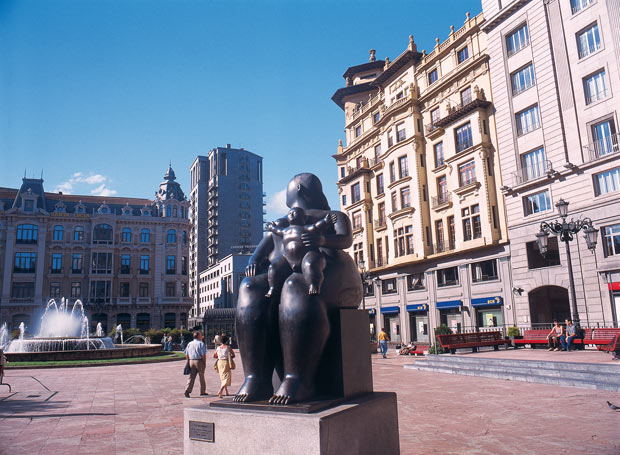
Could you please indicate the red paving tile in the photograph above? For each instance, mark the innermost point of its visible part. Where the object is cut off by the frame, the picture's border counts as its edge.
(138, 409)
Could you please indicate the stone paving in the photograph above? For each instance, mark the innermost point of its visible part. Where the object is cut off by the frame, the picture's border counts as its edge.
(138, 409)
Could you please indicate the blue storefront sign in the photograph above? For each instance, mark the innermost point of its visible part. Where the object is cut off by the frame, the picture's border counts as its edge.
(390, 309)
(417, 307)
(449, 304)
(487, 301)
(372, 311)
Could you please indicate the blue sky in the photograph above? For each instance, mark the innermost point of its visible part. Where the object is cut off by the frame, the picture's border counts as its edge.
(101, 94)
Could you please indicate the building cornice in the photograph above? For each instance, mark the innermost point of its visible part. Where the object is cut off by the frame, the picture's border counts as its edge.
(503, 15)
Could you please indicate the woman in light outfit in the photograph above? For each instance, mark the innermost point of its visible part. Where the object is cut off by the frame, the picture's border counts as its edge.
(224, 355)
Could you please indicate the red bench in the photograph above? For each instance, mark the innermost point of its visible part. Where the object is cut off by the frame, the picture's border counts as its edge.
(474, 340)
(613, 346)
(418, 349)
(597, 337)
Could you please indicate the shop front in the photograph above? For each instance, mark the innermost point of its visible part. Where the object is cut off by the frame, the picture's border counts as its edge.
(372, 316)
(450, 314)
(614, 289)
(391, 322)
(418, 322)
(489, 311)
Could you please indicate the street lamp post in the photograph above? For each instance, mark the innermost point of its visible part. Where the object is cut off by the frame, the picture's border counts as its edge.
(566, 230)
(365, 277)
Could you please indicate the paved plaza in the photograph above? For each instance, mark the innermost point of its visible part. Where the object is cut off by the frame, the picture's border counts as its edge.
(138, 409)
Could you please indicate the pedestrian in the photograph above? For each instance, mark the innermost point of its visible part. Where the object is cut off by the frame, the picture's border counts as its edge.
(182, 342)
(2, 362)
(170, 343)
(217, 340)
(569, 335)
(163, 341)
(196, 353)
(383, 342)
(224, 364)
(554, 336)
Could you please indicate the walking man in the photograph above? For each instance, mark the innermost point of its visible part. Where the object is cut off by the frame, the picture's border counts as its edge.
(383, 342)
(196, 353)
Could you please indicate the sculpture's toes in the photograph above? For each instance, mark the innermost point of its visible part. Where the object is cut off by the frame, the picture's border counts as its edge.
(273, 399)
(242, 397)
(313, 289)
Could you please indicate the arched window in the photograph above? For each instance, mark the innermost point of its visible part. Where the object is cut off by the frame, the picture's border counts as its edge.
(27, 233)
(168, 211)
(174, 211)
(126, 235)
(184, 237)
(182, 209)
(78, 234)
(102, 233)
(172, 236)
(58, 233)
(145, 235)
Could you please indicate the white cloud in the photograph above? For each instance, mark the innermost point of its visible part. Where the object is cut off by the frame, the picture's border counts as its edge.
(276, 204)
(83, 182)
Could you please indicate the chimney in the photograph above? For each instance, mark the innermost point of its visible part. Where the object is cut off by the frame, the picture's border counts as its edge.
(227, 146)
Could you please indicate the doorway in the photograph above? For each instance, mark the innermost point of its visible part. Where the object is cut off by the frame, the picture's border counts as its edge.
(549, 303)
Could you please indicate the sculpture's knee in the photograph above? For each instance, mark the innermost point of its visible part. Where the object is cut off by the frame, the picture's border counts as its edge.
(251, 293)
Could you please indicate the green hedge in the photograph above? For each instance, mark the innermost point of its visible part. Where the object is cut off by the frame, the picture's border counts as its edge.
(155, 335)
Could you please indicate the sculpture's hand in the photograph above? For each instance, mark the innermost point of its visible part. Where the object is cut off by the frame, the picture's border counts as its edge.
(251, 269)
(269, 226)
(313, 239)
(333, 217)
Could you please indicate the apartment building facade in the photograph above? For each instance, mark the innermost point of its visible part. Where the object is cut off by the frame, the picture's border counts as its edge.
(420, 179)
(226, 211)
(556, 81)
(126, 259)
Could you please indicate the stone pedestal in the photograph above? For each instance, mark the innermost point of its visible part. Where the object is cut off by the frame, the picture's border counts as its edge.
(363, 425)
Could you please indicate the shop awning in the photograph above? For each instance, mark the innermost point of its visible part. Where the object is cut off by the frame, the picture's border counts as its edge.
(449, 304)
(417, 307)
(487, 301)
(390, 309)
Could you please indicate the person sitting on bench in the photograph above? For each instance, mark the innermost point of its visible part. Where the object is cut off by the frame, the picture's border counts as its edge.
(554, 336)
(569, 335)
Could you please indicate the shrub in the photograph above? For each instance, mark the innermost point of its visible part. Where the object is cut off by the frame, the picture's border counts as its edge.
(513, 332)
(441, 330)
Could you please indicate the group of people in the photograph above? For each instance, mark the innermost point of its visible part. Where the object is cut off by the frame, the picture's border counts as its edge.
(562, 336)
(196, 355)
(167, 342)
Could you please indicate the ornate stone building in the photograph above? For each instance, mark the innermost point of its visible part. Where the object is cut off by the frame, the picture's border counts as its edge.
(419, 178)
(126, 259)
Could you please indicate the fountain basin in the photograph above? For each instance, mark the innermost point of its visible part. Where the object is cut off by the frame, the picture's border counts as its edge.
(119, 352)
(59, 344)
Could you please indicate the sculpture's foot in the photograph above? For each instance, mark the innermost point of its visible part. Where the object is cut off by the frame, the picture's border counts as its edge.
(269, 292)
(313, 289)
(253, 390)
(291, 391)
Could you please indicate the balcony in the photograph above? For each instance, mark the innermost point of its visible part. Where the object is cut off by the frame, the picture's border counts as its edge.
(355, 171)
(443, 247)
(603, 147)
(382, 261)
(534, 172)
(441, 200)
(365, 106)
(433, 130)
(462, 109)
(380, 224)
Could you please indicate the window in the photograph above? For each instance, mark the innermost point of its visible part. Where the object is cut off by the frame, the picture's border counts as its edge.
(611, 240)
(588, 41)
(392, 172)
(27, 233)
(28, 205)
(184, 237)
(463, 137)
(517, 40)
(184, 265)
(388, 286)
(344, 199)
(466, 96)
(536, 203)
(145, 236)
(170, 289)
(578, 5)
(22, 290)
(604, 138)
(380, 259)
(376, 117)
(533, 164)
(78, 234)
(607, 182)
(358, 130)
(535, 260)
(183, 294)
(403, 241)
(381, 210)
(126, 235)
(358, 252)
(522, 79)
(380, 188)
(401, 134)
(144, 264)
(355, 193)
(143, 290)
(467, 173)
(56, 263)
(55, 290)
(433, 75)
(77, 263)
(169, 209)
(58, 233)
(172, 236)
(448, 277)
(462, 55)
(405, 200)
(100, 291)
(415, 282)
(442, 189)
(390, 139)
(359, 162)
(394, 202)
(124, 289)
(25, 262)
(377, 153)
(102, 233)
(101, 263)
(76, 290)
(439, 235)
(451, 233)
(435, 116)
(125, 264)
(484, 271)
(594, 87)
(357, 220)
(527, 120)
(438, 152)
(403, 169)
(471, 222)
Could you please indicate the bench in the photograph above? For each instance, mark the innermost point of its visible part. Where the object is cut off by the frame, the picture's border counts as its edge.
(473, 340)
(613, 346)
(596, 337)
(418, 349)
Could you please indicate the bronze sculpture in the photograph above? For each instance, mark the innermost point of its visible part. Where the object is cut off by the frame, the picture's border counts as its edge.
(288, 330)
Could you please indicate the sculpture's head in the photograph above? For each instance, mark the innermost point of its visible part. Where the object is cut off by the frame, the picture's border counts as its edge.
(305, 191)
(297, 216)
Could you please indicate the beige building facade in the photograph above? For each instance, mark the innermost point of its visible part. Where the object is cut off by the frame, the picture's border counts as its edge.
(555, 76)
(420, 180)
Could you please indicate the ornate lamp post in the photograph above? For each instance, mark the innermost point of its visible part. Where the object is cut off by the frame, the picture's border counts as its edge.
(566, 230)
(366, 279)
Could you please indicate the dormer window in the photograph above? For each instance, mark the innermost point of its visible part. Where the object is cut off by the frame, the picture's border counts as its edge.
(60, 207)
(28, 205)
(145, 211)
(103, 208)
(126, 210)
(80, 208)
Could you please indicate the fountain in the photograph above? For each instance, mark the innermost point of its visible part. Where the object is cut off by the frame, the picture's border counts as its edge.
(99, 332)
(4, 336)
